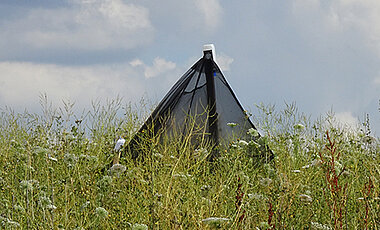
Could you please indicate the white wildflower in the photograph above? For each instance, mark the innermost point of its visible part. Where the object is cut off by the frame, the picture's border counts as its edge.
(254, 144)
(315, 162)
(305, 198)
(253, 132)
(299, 127)
(205, 187)
(200, 153)
(44, 201)
(231, 124)
(206, 201)
(256, 196)
(52, 158)
(85, 205)
(184, 176)
(158, 155)
(101, 212)
(51, 207)
(266, 182)
(29, 184)
(243, 143)
(316, 225)
(139, 227)
(119, 144)
(264, 225)
(296, 171)
(117, 169)
(215, 221)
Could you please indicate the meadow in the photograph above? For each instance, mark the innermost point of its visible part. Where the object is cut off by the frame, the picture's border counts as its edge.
(53, 174)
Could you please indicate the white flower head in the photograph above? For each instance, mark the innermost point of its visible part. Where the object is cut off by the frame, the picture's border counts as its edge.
(316, 225)
(305, 198)
(299, 127)
(117, 169)
(119, 144)
(52, 158)
(243, 143)
(231, 124)
(266, 182)
(253, 132)
(139, 227)
(101, 212)
(215, 221)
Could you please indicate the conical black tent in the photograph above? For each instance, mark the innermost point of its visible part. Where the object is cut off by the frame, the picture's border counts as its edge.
(201, 104)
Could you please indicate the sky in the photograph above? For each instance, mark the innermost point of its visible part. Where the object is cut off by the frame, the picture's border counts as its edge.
(321, 54)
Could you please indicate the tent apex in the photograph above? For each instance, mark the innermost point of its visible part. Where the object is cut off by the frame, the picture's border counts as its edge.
(209, 47)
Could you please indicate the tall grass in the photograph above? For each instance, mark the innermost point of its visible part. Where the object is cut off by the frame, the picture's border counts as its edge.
(323, 176)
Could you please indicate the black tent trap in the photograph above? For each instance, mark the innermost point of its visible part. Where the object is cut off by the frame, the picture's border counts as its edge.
(202, 105)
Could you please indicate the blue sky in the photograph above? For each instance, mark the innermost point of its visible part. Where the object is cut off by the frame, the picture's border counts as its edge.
(321, 54)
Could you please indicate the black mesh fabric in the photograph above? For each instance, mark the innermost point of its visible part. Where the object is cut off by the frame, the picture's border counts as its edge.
(187, 109)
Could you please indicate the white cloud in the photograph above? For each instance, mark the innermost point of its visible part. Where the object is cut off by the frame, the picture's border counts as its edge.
(85, 25)
(377, 80)
(212, 12)
(343, 17)
(136, 62)
(22, 83)
(160, 66)
(224, 61)
(347, 119)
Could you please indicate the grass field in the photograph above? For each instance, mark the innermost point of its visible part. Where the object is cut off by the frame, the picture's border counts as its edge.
(324, 175)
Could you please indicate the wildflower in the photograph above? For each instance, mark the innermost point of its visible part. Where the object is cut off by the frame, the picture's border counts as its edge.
(105, 182)
(205, 187)
(52, 158)
(29, 184)
(51, 207)
(117, 169)
(345, 173)
(101, 212)
(299, 127)
(315, 162)
(255, 196)
(85, 205)
(119, 144)
(264, 225)
(88, 157)
(139, 227)
(316, 225)
(243, 143)
(158, 155)
(199, 153)
(266, 182)
(41, 151)
(45, 201)
(253, 132)
(254, 144)
(296, 171)
(231, 124)
(206, 201)
(305, 198)
(184, 176)
(215, 221)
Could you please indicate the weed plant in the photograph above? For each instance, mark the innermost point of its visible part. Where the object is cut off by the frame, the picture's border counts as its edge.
(323, 176)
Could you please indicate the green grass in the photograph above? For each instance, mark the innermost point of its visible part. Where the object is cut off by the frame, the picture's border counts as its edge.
(52, 176)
